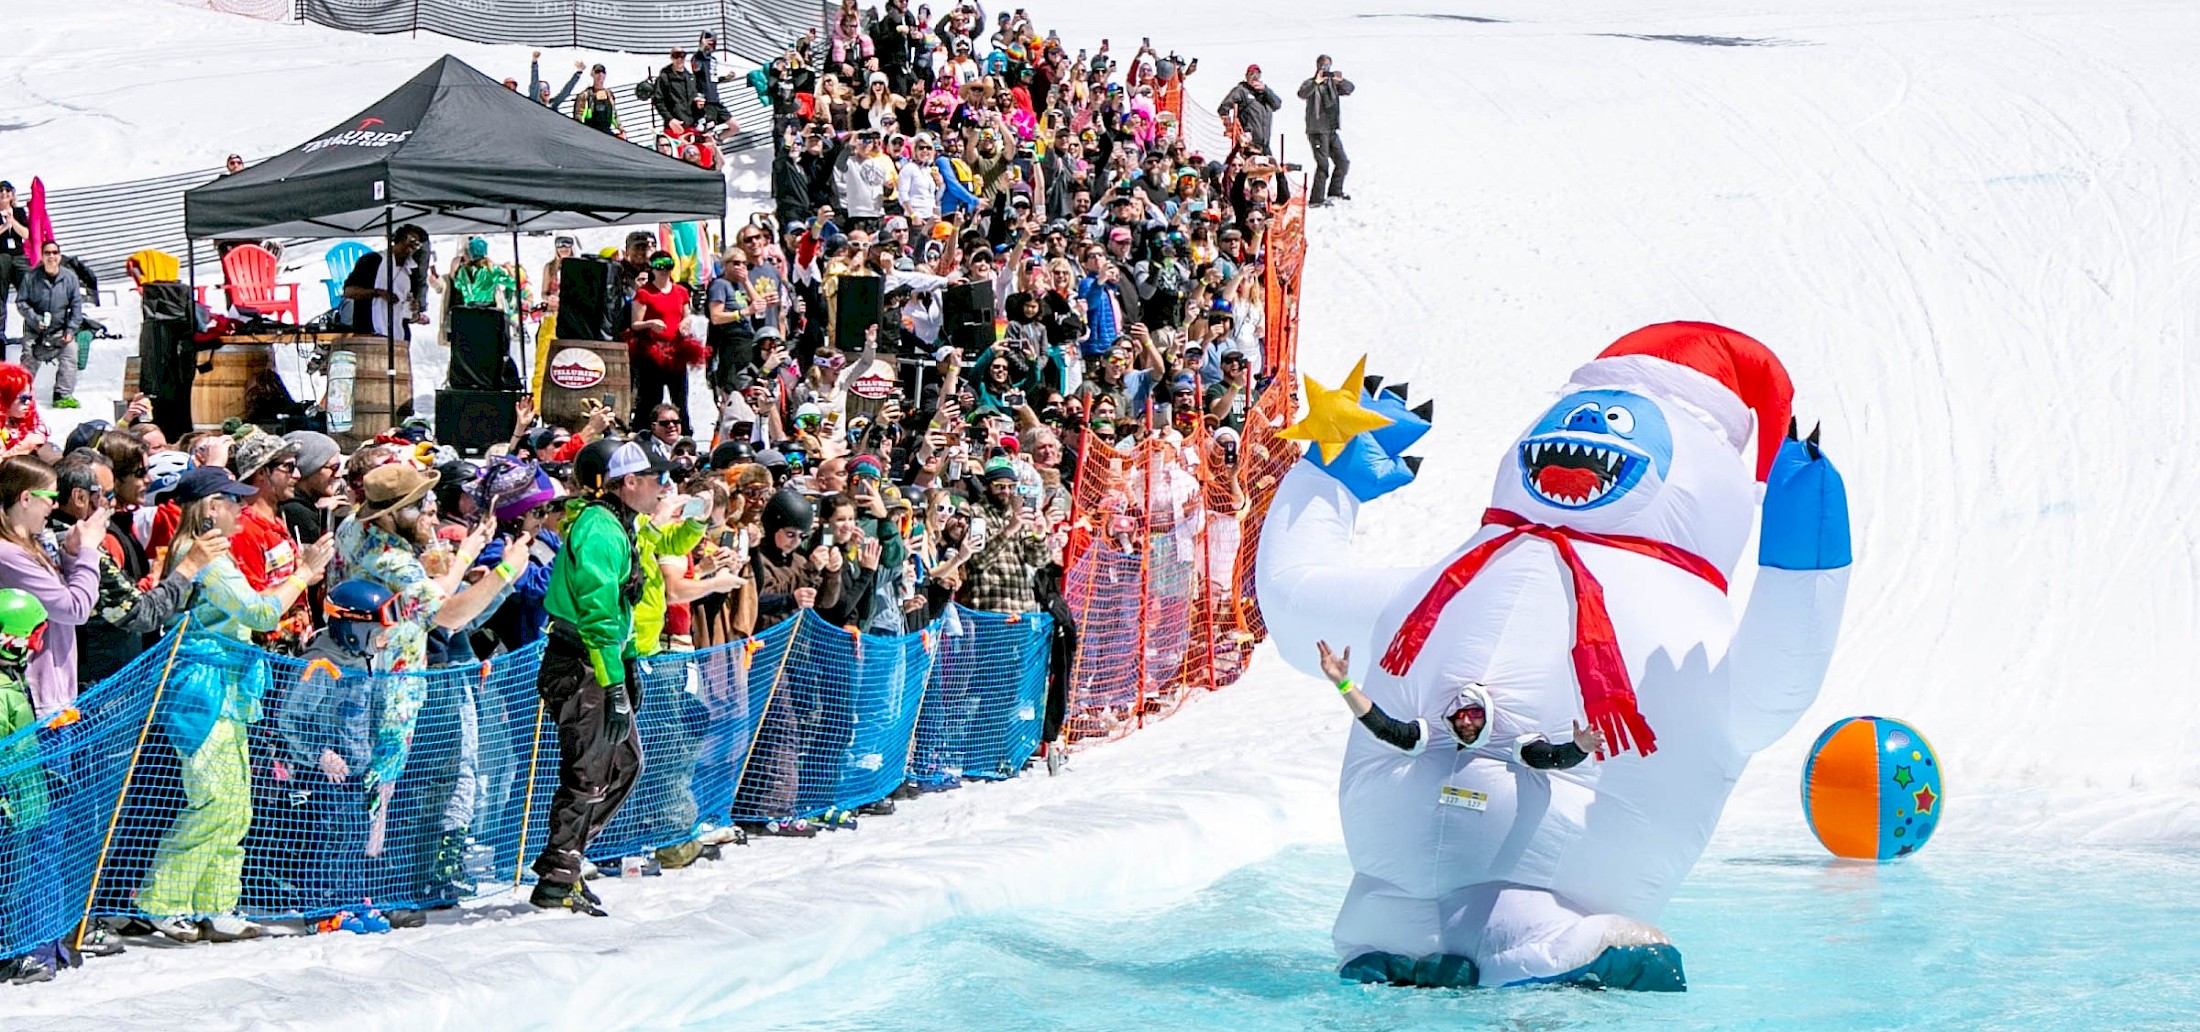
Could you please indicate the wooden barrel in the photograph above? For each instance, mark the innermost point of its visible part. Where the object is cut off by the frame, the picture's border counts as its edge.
(378, 402)
(582, 369)
(218, 393)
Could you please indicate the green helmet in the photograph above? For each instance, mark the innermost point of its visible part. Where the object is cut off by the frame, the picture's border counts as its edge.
(22, 625)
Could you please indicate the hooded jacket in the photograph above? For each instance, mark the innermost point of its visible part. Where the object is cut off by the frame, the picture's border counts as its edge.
(777, 574)
(593, 590)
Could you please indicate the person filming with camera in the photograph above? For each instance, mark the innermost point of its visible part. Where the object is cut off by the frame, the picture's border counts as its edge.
(1320, 92)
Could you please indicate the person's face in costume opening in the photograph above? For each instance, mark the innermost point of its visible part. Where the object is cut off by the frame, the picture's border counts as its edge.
(1467, 721)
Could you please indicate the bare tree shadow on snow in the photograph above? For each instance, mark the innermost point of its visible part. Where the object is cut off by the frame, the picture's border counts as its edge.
(1708, 41)
(1475, 18)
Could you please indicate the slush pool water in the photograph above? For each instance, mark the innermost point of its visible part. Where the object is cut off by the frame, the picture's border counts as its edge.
(1956, 939)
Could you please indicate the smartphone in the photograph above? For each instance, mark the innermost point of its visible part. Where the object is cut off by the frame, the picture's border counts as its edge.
(206, 526)
(696, 508)
(541, 552)
(610, 401)
(825, 539)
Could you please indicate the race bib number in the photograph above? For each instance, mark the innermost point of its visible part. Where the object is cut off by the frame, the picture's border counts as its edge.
(1451, 795)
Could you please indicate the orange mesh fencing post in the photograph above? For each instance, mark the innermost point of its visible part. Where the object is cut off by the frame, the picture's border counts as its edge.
(1145, 584)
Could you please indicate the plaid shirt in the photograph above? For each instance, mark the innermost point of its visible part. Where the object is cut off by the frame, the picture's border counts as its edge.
(999, 578)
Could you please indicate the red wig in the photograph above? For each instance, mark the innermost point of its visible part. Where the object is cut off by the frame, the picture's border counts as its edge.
(14, 380)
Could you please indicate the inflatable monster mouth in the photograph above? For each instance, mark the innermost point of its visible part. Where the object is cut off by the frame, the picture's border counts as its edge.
(1569, 472)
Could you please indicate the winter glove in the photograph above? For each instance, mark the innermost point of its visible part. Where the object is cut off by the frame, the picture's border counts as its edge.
(618, 712)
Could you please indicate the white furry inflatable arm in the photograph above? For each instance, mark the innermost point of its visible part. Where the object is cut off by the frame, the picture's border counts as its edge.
(1786, 638)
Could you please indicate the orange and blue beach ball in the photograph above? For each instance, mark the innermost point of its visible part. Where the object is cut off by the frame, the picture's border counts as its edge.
(1871, 789)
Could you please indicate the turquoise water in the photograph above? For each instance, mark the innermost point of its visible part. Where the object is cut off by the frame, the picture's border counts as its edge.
(1954, 939)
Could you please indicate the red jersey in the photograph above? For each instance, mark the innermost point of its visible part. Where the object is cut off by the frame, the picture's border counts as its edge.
(267, 555)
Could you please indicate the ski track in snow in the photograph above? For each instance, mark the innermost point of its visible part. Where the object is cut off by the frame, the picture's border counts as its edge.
(1965, 227)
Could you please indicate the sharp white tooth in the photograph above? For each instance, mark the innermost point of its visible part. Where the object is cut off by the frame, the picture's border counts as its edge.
(1535, 451)
(1572, 448)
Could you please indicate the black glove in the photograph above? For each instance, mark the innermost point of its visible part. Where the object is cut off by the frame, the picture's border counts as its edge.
(618, 712)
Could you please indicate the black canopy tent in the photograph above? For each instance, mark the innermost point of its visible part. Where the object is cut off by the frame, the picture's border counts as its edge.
(452, 151)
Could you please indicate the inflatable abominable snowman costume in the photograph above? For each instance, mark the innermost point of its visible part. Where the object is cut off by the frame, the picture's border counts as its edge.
(1595, 590)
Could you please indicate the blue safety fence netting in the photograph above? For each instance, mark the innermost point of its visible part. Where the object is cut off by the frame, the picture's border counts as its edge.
(987, 697)
(236, 780)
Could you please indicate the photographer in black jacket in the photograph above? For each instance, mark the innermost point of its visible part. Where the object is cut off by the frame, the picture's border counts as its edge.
(1330, 165)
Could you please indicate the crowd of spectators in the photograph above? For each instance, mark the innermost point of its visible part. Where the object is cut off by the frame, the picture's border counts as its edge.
(1055, 272)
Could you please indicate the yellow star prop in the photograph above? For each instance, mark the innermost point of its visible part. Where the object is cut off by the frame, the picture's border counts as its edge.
(1335, 417)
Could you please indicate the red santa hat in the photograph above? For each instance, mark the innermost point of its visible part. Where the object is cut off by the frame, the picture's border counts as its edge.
(1730, 379)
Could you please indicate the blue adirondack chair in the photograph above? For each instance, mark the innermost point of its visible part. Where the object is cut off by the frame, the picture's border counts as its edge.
(340, 260)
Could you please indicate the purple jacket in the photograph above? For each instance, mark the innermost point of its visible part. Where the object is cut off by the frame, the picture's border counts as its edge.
(69, 598)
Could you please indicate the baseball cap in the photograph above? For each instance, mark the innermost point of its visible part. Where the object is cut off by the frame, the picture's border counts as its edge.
(631, 458)
(206, 482)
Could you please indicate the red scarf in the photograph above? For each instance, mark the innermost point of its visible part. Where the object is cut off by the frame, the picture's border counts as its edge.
(1607, 695)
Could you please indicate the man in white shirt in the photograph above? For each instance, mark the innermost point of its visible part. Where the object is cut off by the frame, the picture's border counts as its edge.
(382, 285)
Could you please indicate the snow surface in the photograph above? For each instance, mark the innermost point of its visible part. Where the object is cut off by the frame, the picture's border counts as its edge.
(1965, 226)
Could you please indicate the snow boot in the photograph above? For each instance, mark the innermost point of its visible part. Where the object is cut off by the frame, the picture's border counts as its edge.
(550, 895)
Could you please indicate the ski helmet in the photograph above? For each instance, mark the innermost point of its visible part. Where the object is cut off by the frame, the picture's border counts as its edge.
(22, 626)
(354, 608)
(788, 509)
(591, 468)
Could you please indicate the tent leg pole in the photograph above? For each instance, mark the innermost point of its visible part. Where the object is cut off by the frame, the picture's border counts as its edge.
(389, 337)
(519, 308)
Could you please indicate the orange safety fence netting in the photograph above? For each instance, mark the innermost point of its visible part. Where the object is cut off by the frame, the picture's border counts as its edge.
(1159, 564)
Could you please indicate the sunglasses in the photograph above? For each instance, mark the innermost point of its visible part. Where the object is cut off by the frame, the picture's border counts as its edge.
(668, 422)
(661, 263)
(47, 495)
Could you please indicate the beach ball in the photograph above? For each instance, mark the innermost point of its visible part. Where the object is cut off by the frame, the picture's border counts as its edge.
(1871, 789)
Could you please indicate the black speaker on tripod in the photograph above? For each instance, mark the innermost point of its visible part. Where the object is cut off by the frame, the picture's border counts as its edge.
(481, 351)
(857, 305)
(584, 298)
(966, 317)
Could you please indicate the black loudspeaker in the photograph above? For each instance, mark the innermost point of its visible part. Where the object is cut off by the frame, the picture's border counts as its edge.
(481, 351)
(471, 421)
(584, 298)
(966, 316)
(856, 308)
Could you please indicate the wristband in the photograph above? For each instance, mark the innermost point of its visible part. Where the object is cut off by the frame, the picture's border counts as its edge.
(300, 580)
(506, 570)
(1345, 686)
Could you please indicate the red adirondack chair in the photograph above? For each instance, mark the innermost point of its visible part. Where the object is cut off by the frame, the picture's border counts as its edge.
(248, 275)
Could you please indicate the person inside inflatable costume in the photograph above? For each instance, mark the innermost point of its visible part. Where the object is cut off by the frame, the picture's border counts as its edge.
(1594, 592)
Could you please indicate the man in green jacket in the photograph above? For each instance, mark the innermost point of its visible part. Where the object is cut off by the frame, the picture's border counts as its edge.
(588, 669)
